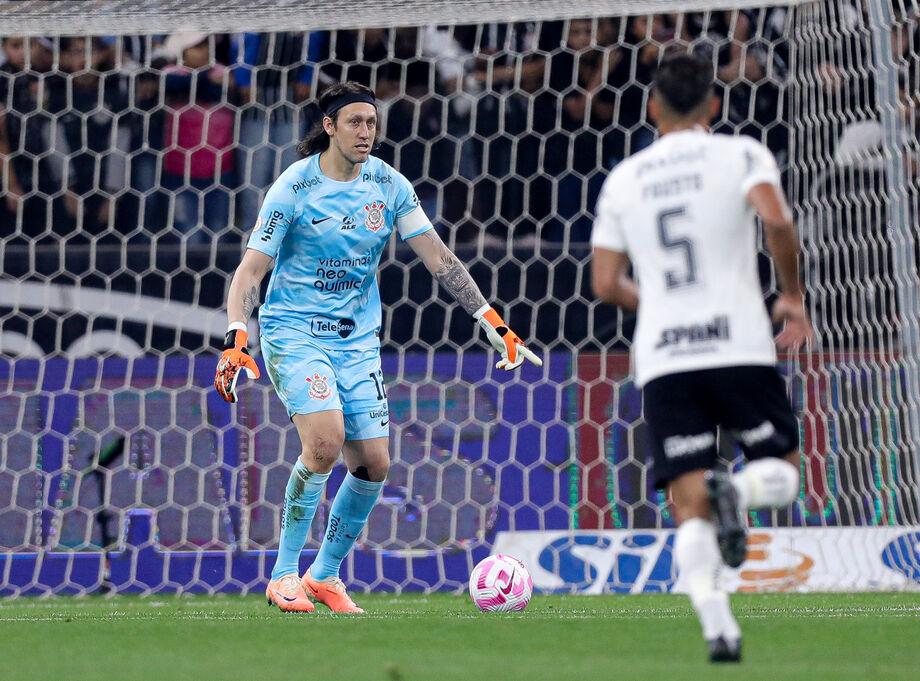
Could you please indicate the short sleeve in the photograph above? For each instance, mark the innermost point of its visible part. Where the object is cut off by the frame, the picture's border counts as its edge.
(275, 217)
(410, 217)
(608, 223)
(759, 166)
(405, 200)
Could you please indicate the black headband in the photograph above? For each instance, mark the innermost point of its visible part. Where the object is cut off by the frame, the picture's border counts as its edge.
(349, 98)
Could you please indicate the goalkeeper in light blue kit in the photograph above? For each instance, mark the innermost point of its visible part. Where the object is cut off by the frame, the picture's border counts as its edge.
(324, 224)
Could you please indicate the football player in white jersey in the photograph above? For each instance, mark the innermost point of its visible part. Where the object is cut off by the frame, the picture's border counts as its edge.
(324, 224)
(682, 211)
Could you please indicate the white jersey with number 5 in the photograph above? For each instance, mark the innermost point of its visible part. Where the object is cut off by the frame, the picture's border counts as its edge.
(679, 210)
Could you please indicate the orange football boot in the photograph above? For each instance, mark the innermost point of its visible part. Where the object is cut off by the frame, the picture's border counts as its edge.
(330, 592)
(287, 593)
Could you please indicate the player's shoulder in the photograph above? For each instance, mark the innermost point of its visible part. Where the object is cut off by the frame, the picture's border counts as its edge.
(377, 171)
(301, 176)
(739, 144)
(630, 167)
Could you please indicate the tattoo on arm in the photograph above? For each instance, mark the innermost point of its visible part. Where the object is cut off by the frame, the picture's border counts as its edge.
(250, 301)
(457, 280)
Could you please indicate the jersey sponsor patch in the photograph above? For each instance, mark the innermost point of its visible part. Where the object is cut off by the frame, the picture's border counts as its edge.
(304, 184)
(324, 327)
(258, 224)
(273, 220)
(677, 446)
(375, 219)
(716, 328)
(319, 387)
(754, 436)
(379, 179)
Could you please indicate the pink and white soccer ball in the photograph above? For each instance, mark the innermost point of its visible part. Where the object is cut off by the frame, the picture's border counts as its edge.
(500, 583)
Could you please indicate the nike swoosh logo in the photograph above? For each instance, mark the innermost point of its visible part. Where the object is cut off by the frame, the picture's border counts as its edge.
(383, 423)
(316, 222)
(289, 600)
(507, 588)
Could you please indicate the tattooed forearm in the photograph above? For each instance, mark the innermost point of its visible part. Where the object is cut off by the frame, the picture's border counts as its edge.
(250, 301)
(457, 280)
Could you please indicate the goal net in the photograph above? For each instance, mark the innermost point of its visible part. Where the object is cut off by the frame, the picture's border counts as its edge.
(137, 140)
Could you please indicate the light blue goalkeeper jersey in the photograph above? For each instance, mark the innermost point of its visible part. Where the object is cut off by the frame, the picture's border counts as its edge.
(327, 237)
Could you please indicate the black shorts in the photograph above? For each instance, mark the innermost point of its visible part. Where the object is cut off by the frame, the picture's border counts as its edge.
(683, 410)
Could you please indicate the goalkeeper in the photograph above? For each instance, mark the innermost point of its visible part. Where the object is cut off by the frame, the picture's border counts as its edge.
(324, 224)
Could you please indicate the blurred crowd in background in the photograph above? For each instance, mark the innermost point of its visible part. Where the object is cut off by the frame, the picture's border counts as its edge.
(507, 130)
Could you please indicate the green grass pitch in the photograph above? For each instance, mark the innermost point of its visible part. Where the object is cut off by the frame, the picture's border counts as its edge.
(440, 637)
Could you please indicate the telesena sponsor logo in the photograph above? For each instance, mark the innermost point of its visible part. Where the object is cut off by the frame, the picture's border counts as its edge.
(328, 328)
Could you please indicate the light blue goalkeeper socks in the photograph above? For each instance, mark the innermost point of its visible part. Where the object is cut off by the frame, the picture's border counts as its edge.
(300, 501)
(350, 510)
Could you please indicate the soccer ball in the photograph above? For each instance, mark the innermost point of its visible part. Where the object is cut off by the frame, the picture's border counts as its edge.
(500, 583)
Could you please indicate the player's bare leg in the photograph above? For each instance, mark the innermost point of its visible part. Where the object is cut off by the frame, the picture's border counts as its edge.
(368, 463)
(696, 553)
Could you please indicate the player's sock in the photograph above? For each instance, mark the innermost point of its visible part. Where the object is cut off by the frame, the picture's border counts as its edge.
(766, 483)
(348, 516)
(696, 553)
(301, 498)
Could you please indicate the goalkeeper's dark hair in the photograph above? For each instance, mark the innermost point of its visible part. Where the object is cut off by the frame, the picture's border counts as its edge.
(317, 140)
(684, 81)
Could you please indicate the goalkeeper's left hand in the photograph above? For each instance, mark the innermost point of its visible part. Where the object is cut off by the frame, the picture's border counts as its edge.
(505, 341)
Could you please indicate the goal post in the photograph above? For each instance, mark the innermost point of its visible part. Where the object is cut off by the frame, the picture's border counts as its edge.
(121, 470)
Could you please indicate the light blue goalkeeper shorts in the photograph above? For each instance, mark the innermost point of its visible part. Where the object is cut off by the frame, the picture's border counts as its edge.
(309, 379)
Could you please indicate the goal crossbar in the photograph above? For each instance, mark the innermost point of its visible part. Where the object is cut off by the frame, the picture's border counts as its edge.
(72, 17)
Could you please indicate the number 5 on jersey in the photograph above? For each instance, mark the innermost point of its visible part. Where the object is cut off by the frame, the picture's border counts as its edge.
(667, 220)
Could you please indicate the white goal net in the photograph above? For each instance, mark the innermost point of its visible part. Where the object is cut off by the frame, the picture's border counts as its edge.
(136, 142)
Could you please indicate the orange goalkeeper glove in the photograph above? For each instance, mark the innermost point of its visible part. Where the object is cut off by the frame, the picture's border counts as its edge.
(504, 340)
(234, 358)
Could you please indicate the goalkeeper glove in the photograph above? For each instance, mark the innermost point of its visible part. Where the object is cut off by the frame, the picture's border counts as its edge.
(504, 340)
(234, 358)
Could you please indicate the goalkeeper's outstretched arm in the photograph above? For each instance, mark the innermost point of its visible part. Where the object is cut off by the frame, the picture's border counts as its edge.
(455, 278)
(242, 299)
